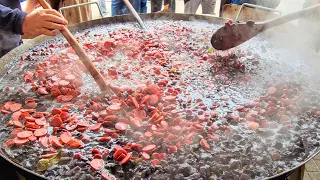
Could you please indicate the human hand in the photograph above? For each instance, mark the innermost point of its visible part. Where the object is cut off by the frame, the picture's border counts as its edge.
(43, 21)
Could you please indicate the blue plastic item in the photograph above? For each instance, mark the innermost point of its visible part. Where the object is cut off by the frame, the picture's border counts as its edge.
(235, 1)
(118, 7)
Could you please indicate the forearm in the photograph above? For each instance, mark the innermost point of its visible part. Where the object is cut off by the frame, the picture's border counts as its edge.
(11, 19)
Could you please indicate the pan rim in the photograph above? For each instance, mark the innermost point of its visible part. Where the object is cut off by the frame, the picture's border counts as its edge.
(20, 50)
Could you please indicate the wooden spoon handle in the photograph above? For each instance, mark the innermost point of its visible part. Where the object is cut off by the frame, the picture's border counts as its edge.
(135, 14)
(291, 16)
(80, 52)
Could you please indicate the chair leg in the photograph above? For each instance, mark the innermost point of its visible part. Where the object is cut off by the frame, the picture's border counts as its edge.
(83, 4)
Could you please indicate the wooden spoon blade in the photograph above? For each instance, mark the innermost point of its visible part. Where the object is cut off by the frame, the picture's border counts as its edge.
(232, 35)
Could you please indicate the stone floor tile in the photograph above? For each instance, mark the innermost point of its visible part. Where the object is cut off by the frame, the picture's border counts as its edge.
(311, 166)
(317, 157)
(314, 175)
(306, 176)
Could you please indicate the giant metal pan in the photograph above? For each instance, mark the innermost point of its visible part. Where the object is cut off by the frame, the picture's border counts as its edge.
(30, 44)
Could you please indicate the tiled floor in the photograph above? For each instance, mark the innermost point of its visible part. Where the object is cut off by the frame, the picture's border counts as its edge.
(313, 169)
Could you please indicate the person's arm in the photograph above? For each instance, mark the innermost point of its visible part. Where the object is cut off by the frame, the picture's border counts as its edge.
(39, 21)
(11, 19)
(43, 21)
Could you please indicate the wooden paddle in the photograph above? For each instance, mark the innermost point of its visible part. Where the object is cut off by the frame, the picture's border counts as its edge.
(82, 55)
(135, 14)
(232, 35)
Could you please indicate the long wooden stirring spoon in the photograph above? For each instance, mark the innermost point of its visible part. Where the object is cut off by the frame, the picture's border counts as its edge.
(232, 35)
(82, 55)
(135, 14)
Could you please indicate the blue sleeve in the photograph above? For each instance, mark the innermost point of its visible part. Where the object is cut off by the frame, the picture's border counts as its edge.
(11, 19)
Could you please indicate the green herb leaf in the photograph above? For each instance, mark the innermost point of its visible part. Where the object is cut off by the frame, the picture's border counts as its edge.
(55, 160)
(138, 160)
(279, 171)
(44, 164)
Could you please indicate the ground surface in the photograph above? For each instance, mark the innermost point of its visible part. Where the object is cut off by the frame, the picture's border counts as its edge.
(313, 169)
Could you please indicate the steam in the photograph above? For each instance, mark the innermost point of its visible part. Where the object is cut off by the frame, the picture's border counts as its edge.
(300, 38)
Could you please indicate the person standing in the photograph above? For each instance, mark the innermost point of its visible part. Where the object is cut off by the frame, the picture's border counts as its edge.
(156, 5)
(14, 23)
(103, 7)
(191, 6)
(118, 7)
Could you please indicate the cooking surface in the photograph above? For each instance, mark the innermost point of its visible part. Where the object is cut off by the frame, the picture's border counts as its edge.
(244, 113)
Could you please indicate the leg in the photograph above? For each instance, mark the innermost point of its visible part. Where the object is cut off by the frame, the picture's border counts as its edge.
(116, 7)
(103, 6)
(172, 5)
(144, 7)
(136, 5)
(156, 5)
(191, 6)
(208, 6)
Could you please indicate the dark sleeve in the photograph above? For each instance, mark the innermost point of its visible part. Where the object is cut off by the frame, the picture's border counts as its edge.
(11, 19)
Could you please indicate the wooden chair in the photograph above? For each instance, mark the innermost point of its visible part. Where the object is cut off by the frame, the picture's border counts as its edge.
(75, 11)
(247, 12)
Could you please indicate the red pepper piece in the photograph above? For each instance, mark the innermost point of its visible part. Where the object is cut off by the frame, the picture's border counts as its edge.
(204, 144)
(97, 164)
(149, 148)
(155, 162)
(126, 159)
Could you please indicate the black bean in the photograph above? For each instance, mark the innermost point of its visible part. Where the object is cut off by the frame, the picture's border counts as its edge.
(89, 177)
(190, 161)
(244, 177)
(184, 169)
(52, 167)
(73, 171)
(195, 176)
(64, 160)
(235, 164)
(181, 159)
(178, 176)
(205, 156)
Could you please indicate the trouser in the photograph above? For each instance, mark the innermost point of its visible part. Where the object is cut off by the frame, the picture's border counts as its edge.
(118, 7)
(157, 4)
(103, 6)
(191, 6)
